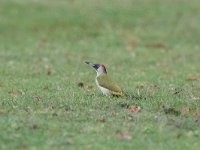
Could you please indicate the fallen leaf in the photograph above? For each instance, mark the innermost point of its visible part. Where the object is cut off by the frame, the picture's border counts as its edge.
(196, 114)
(156, 45)
(192, 78)
(185, 111)
(123, 136)
(134, 108)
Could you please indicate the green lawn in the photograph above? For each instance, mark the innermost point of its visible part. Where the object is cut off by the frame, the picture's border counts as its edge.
(150, 47)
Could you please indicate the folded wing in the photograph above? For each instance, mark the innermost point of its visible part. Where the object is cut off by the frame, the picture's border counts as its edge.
(107, 83)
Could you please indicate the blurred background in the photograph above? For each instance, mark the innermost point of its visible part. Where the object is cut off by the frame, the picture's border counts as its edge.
(48, 96)
(136, 37)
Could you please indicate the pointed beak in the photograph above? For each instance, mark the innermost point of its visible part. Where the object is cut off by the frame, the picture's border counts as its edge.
(95, 66)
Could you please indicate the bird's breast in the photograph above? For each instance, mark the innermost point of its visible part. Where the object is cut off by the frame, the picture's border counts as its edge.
(103, 90)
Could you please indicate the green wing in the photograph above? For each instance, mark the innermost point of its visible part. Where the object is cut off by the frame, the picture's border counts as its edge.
(106, 82)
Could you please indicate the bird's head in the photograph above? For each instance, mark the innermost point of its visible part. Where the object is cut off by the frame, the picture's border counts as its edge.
(99, 68)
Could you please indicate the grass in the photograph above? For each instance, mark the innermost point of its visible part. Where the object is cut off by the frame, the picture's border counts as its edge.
(150, 47)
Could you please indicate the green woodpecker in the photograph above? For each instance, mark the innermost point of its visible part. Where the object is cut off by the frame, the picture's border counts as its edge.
(104, 83)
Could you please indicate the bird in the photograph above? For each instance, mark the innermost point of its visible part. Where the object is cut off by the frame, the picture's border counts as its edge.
(103, 82)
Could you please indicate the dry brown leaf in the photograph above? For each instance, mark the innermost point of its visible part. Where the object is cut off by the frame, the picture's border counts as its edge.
(156, 45)
(134, 108)
(192, 78)
(196, 114)
(185, 111)
(123, 136)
